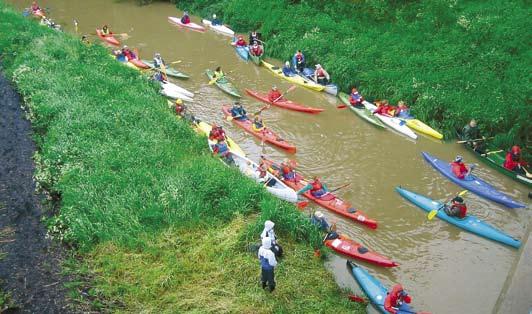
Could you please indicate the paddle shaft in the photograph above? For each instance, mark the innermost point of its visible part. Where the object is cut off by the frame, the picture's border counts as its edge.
(340, 187)
(435, 211)
(291, 88)
(475, 140)
(492, 152)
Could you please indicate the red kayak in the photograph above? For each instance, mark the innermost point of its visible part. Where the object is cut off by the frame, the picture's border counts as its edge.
(266, 134)
(139, 64)
(350, 248)
(330, 201)
(110, 39)
(283, 103)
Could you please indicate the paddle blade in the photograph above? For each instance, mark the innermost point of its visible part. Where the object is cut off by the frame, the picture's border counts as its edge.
(432, 214)
(176, 62)
(464, 192)
(291, 88)
(229, 118)
(356, 298)
(302, 204)
(341, 106)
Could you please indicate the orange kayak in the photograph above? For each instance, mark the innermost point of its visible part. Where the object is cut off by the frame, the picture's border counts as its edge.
(110, 39)
(283, 103)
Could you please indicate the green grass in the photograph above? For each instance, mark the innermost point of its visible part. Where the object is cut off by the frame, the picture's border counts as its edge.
(141, 199)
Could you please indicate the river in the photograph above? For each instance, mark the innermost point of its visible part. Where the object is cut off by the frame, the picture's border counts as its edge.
(445, 269)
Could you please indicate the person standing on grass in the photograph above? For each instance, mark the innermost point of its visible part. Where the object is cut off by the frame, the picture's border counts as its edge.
(268, 232)
(267, 264)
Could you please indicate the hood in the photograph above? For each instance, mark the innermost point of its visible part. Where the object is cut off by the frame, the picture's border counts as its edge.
(268, 225)
(266, 243)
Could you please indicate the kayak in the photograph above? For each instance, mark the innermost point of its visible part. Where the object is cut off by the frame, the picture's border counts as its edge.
(192, 26)
(179, 89)
(256, 59)
(496, 160)
(375, 290)
(266, 134)
(224, 84)
(243, 52)
(394, 123)
(469, 223)
(296, 79)
(169, 71)
(139, 64)
(364, 113)
(308, 73)
(330, 201)
(351, 248)
(472, 183)
(206, 128)
(169, 91)
(421, 127)
(110, 39)
(283, 103)
(221, 29)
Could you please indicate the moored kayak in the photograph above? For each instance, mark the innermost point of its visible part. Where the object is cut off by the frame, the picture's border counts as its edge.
(191, 25)
(256, 59)
(472, 183)
(351, 248)
(169, 71)
(224, 84)
(283, 103)
(179, 89)
(266, 134)
(329, 201)
(206, 128)
(330, 88)
(221, 29)
(110, 39)
(469, 223)
(139, 64)
(169, 91)
(375, 290)
(394, 123)
(296, 79)
(243, 52)
(364, 113)
(421, 127)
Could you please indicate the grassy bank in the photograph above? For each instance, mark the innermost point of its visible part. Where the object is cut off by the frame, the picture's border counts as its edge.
(451, 60)
(157, 221)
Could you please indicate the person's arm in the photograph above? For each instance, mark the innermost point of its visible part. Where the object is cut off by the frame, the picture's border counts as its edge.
(271, 259)
(308, 187)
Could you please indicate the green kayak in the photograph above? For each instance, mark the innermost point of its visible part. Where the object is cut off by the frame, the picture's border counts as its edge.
(169, 71)
(256, 59)
(361, 112)
(224, 84)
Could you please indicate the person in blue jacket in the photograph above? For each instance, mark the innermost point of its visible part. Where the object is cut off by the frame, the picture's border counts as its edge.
(287, 70)
(238, 112)
(215, 21)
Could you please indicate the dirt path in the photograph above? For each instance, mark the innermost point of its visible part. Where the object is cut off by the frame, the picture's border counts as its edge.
(29, 263)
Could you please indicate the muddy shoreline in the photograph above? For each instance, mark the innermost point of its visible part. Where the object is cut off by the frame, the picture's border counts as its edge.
(30, 269)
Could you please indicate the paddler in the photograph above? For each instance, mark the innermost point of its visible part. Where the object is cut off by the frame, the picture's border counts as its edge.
(238, 112)
(514, 162)
(321, 76)
(159, 77)
(258, 124)
(185, 19)
(319, 220)
(457, 209)
(240, 42)
(268, 232)
(471, 132)
(119, 55)
(287, 70)
(267, 264)
(218, 74)
(158, 61)
(256, 49)
(35, 7)
(274, 94)
(459, 169)
(222, 150)
(215, 21)
(180, 107)
(402, 110)
(85, 40)
(299, 61)
(316, 188)
(355, 99)
(255, 36)
(130, 55)
(105, 31)
(395, 298)
(217, 133)
(384, 108)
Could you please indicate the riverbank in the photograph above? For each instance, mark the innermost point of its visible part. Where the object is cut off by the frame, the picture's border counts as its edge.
(157, 221)
(452, 61)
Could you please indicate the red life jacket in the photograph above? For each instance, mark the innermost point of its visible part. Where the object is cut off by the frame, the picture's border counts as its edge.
(461, 207)
(459, 169)
(320, 73)
(273, 95)
(241, 43)
(395, 298)
(299, 57)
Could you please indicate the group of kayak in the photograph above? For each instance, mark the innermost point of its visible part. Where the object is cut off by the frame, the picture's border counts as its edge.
(282, 179)
(37, 12)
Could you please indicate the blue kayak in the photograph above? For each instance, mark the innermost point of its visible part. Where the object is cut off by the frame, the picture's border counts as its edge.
(243, 52)
(469, 223)
(374, 289)
(472, 183)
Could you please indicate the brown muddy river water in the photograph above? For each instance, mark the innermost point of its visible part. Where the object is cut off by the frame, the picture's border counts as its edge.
(447, 270)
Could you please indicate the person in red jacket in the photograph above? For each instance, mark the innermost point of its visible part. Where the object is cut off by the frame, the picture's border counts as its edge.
(217, 133)
(316, 188)
(457, 209)
(185, 19)
(274, 94)
(130, 55)
(256, 49)
(459, 168)
(513, 161)
(288, 171)
(384, 108)
(395, 298)
(241, 42)
(355, 99)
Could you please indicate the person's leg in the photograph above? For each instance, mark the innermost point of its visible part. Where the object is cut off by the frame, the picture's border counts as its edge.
(263, 277)
(271, 280)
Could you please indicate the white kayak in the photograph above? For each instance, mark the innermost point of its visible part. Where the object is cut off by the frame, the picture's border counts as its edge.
(394, 123)
(173, 91)
(177, 88)
(221, 29)
(251, 170)
(191, 25)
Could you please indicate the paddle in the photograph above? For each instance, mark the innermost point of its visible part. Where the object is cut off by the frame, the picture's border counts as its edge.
(434, 212)
(287, 91)
(341, 106)
(340, 187)
(492, 152)
(176, 62)
(527, 174)
(475, 140)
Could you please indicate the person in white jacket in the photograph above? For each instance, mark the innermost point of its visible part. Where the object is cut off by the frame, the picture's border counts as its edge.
(267, 264)
(268, 232)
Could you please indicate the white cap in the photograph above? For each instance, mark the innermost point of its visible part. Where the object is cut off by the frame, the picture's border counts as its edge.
(214, 16)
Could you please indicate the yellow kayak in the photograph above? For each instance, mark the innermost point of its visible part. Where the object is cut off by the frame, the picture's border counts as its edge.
(296, 79)
(205, 128)
(421, 127)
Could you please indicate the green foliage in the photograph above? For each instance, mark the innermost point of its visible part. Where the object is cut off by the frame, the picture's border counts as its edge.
(451, 60)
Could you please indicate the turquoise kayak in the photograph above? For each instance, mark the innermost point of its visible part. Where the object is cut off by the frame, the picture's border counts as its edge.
(169, 71)
(374, 289)
(472, 183)
(469, 223)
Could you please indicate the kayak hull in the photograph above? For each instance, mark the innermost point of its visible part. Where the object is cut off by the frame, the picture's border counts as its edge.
(169, 71)
(422, 128)
(266, 135)
(363, 113)
(296, 79)
(469, 223)
(139, 64)
(331, 202)
(179, 89)
(392, 122)
(472, 183)
(108, 39)
(191, 25)
(243, 52)
(224, 85)
(206, 128)
(220, 29)
(352, 249)
(256, 59)
(330, 88)
(286, 104)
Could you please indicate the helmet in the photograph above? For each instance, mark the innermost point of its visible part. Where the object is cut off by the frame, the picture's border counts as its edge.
(274, 87)
(407, 299)
(458, 158)
(157, 54)
(240, 37)
(179, 101)
(318, 214)
(214, 16)
(287, 63)
(516, 150)
(125, 47)
(458, 199)
(318, 66)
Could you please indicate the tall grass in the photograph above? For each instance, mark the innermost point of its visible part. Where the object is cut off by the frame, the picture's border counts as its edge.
(451, 60)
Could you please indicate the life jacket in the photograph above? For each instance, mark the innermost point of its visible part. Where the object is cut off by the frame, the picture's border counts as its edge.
(459, 169)
(355, 98)
(222, 149)
(218, 74)
(157, 62)
(274, 95)
(320, 73)
(317, 189)
(394, 299)
(258, 126)
(241, 42)
(185, 19)
(287, 172)
(257, 51)
(461, 207)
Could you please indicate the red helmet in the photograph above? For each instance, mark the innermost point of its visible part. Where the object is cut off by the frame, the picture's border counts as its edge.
(407, 299)
(516, 149)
